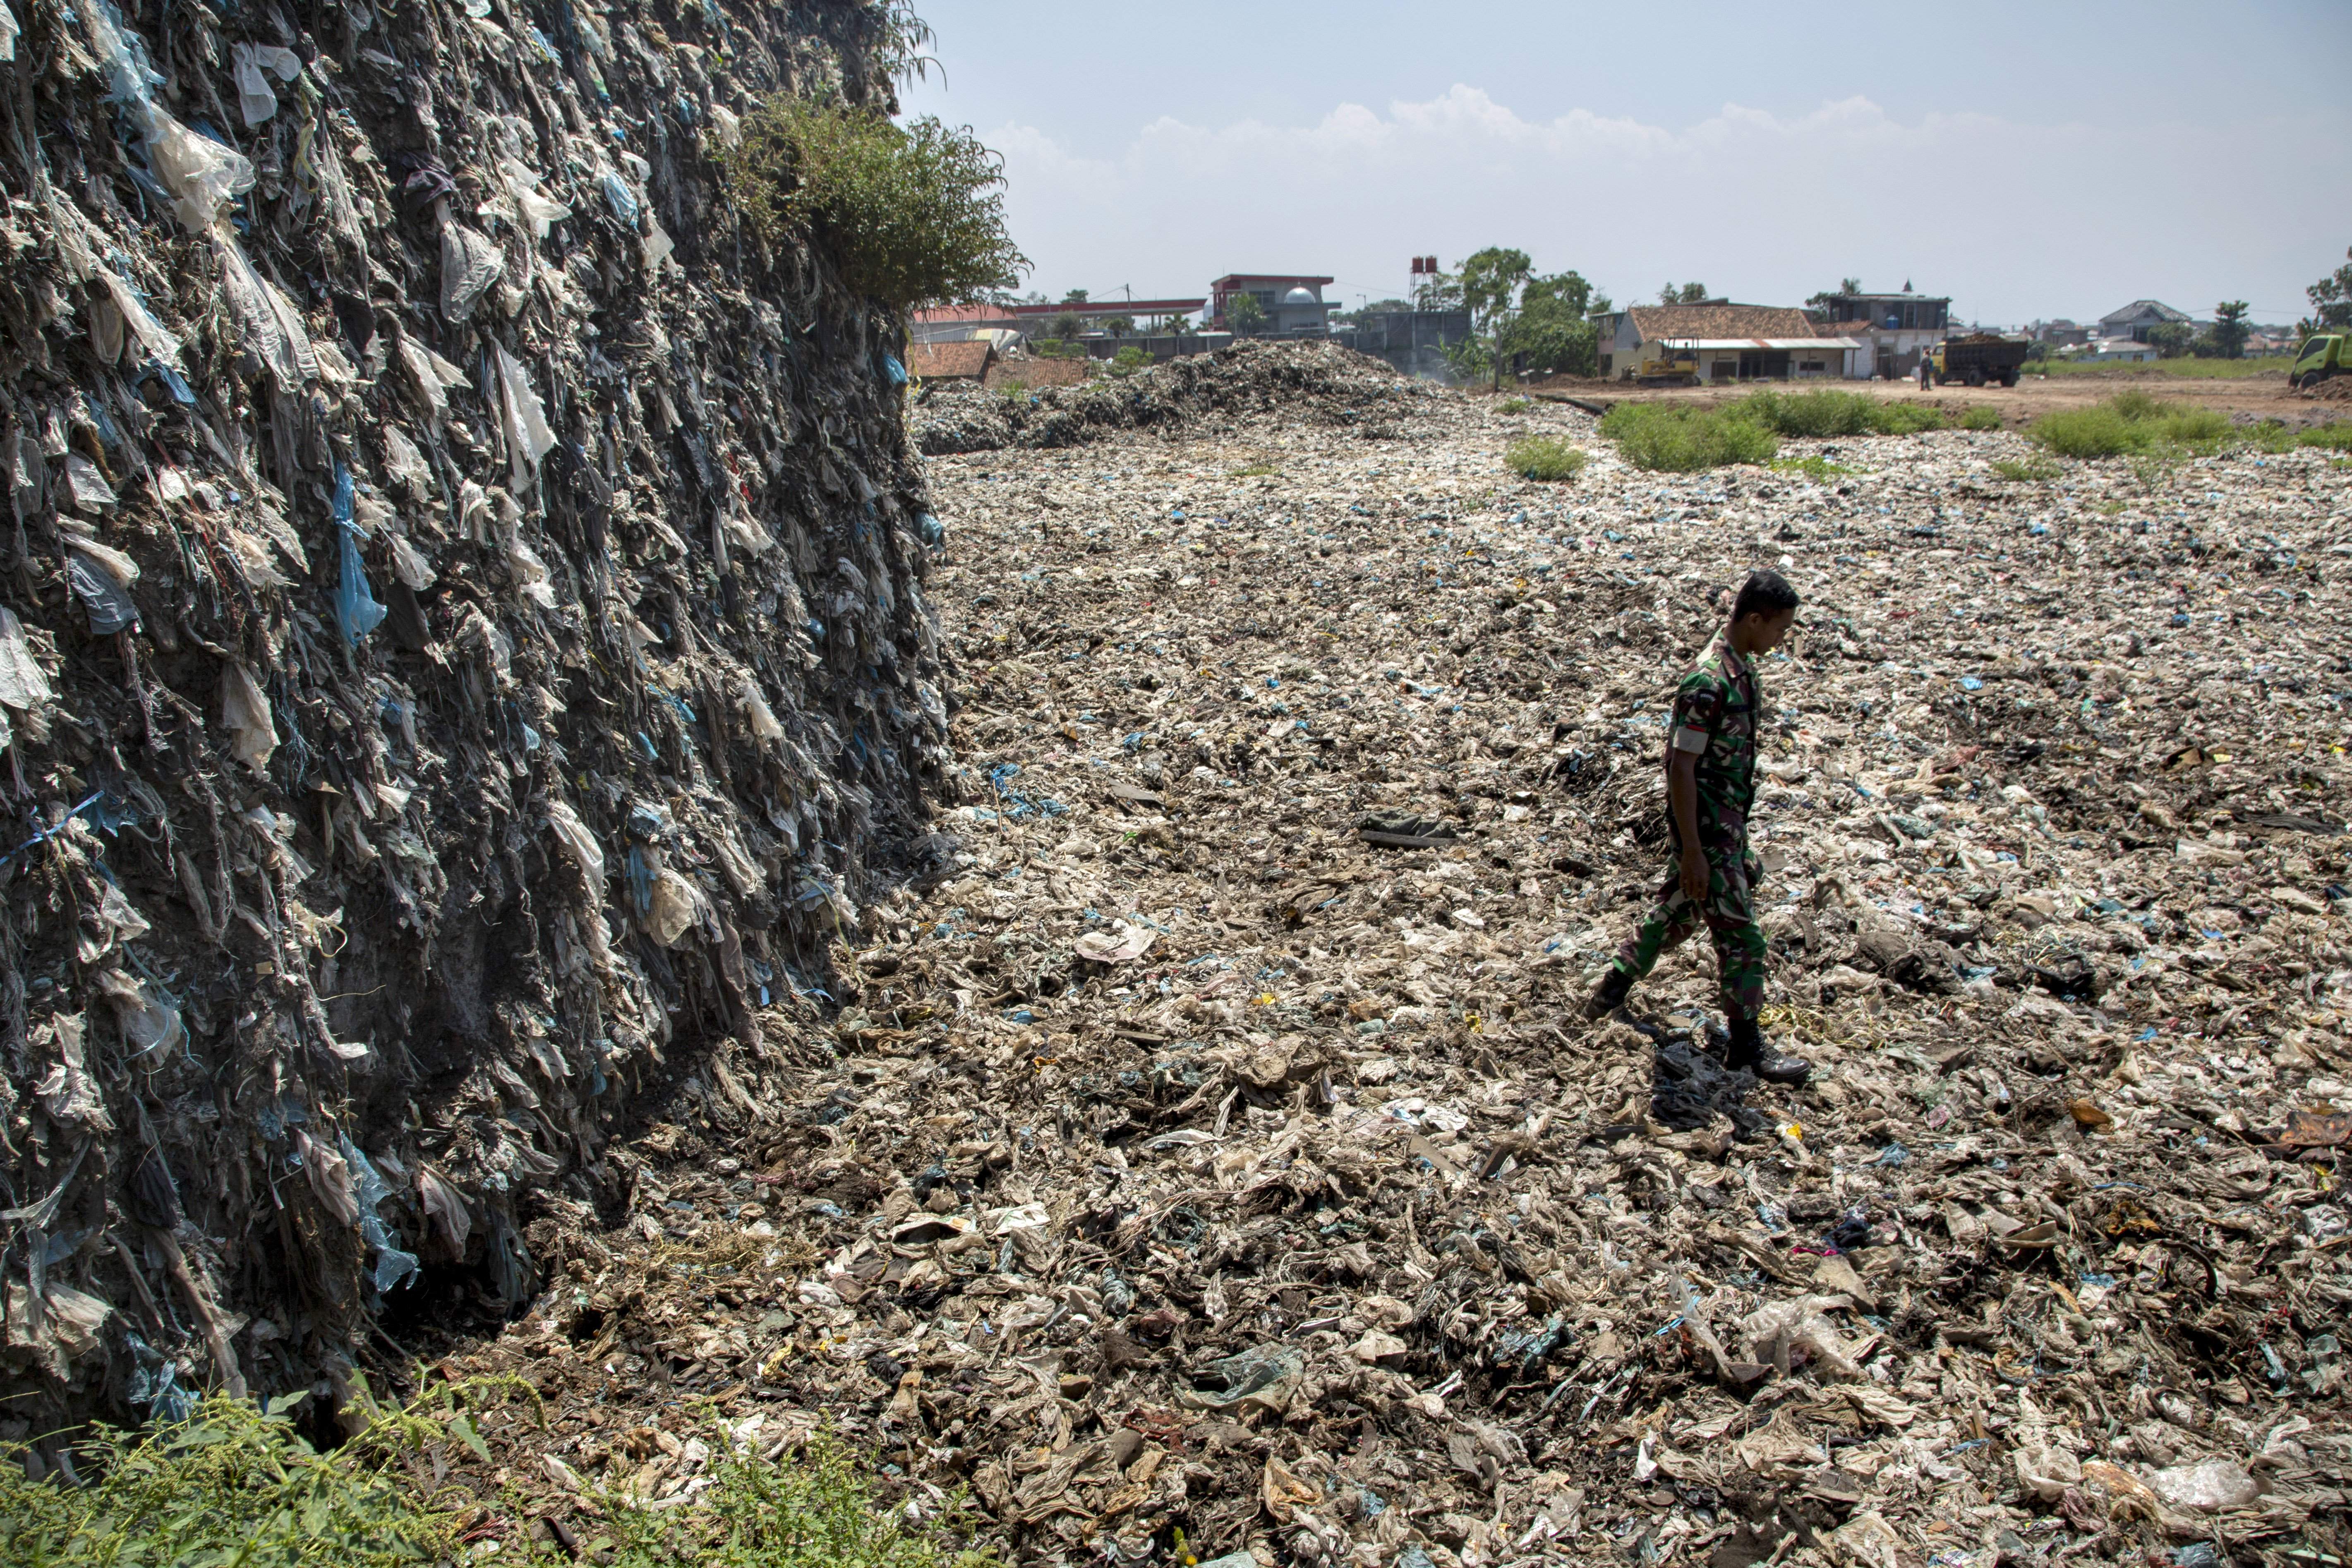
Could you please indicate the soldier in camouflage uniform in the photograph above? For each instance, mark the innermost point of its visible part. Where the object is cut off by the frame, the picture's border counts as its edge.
(1710, 789)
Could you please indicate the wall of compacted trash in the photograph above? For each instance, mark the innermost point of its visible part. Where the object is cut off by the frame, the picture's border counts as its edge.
(462, 639)
(1218, 1168)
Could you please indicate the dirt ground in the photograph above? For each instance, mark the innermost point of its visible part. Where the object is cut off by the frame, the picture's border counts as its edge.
(2261, 396)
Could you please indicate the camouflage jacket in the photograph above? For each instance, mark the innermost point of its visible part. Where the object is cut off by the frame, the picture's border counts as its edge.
(1716, 709)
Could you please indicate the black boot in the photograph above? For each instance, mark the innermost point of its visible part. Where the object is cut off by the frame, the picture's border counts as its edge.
(1752, 1051)
(1610, 995)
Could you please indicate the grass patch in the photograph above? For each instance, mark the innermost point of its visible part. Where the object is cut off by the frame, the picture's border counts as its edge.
(1514, 405)
(2127, 423)
(2272, 435)
(2023, 468)
(1546, 458)
(1680, 438)
(1981, 417)
(1813, 468)
(237, 1484)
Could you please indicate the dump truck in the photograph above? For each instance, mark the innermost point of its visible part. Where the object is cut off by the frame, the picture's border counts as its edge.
(1976, 359)
(2328, 354)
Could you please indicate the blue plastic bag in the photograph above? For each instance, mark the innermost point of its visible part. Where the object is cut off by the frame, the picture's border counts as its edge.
(356, 609)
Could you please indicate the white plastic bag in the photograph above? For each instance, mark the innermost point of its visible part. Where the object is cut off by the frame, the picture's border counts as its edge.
(245, 714)
(256, 100)
(202, 176)
(470, 263)
(532, 211)
(574, 836)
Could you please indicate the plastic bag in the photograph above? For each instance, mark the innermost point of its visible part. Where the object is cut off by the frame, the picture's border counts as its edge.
(256, 100)
(677, 905)
(532, 211)
(470, 263)
(273, 328)
(152, 334)
(576, 838)
(528, 438)
(410, 565)
(245, 714)
(202, 176)
(2206, 1486)
(102, 578)
(356, 609)
(24, 685)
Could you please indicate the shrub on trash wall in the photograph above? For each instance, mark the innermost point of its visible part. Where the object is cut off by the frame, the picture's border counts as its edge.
(915, 215)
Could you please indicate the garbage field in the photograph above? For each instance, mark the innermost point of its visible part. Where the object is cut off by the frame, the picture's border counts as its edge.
(1203, 1157)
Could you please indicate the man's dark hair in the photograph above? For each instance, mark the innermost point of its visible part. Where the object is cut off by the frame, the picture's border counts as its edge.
(1766, 592)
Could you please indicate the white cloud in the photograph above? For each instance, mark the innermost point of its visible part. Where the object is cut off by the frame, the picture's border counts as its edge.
(2015, 220)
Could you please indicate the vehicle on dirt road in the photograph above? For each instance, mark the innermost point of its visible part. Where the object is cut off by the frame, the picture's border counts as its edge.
(1976, 359)
(2328, 354)
(1673, 367)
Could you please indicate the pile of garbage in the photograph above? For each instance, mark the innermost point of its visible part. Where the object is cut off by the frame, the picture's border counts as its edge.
(463, 644)
(1214, 1163)
(1199, 395)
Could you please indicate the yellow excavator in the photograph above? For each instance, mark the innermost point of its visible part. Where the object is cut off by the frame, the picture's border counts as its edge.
(1673, 367)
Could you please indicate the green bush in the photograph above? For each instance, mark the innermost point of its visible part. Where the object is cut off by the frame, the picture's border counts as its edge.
(2130, 422)
(916, 215)
(1981, 417)
(1679, 438)
(237, 1485)
(1544, 458)
(2336, 437)
(1826, 413)
(1513, 405)
(1814, 413)
(1129, 360)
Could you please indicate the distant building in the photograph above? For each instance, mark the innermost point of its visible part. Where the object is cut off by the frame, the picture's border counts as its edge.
(1293, 303)
(2061, 332)
(2133, 319)
(1731, 342)
(1895, 330)
(1414, 342)
(956, 323)
(2116, 351)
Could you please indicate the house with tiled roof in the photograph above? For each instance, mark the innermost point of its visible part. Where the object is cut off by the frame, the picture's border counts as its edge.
(2133, 319)
(1730, 342)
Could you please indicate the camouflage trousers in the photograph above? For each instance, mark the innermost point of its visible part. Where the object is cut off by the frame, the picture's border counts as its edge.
(1729, 914)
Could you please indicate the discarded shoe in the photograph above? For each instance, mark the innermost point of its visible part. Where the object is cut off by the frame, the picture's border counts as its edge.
(1752, 1051)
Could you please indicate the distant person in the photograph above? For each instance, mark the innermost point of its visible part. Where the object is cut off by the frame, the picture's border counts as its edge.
(1925, 370)
(1710, 789)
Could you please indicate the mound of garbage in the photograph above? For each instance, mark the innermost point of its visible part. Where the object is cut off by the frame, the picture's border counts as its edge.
(1218, 1161)
(1318, 383)
(463, 644)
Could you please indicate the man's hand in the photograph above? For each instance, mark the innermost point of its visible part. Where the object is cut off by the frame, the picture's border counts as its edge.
(1695, 877)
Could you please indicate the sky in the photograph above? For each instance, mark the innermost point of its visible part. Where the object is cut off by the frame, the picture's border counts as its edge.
(2032, 161)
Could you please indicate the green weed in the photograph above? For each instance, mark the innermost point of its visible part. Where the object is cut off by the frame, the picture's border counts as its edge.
(1514, 405)
(1544, 458)
(1816, 468)
(1128, 360)
(1680, 438)
(2026, 469)
(236, 1484)
(1981, 417)
(1825, 412)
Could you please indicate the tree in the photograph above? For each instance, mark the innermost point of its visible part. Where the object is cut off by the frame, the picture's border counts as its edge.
(1552, 327)
(2228, 338)
(1491, 281)
(1683, 294)
(2331, 301)
(1846, 286)
(1244, 315)
(1119, 326)
(1074, 296)
(2170, 339)
(1066, 326)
